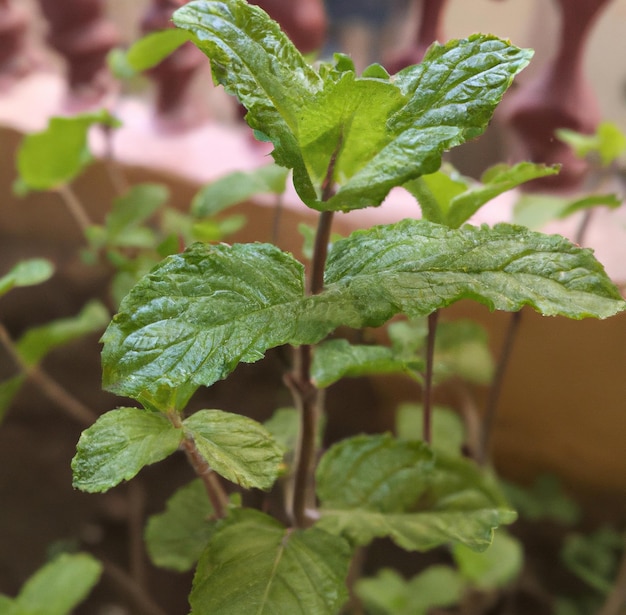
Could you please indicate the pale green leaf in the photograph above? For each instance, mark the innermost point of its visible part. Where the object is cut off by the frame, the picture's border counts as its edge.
(153, 48)
(608, 143)
(494, 568)
(612, 201)
(237, 187)
(59, 586)
(390, 594)
(448, 431)
(415, 267)
(26, 273)
(254, 565)
(119, 444)
(254, 60)
(37, 342)
(451, 97)
(176, 537)
(337, 359)
(236, 447)
(56, 155)
(284, 425)
(536, 210)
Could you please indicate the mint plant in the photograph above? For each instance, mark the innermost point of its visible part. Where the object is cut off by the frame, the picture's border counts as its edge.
(198, 314)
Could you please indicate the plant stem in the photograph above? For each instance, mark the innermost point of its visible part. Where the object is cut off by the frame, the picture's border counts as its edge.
(308, 398)
(428, 380)
(75, 207)
(496, 386)
(112, 166)
(48, 385)
(616, 600)
(215, 491)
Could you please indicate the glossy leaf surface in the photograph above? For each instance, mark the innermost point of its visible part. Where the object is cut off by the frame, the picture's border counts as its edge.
(253, 564)
(176, 537)
(236, 447)
(119, 444)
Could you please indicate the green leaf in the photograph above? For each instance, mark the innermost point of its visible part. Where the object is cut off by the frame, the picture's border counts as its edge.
(37, 342)
(153, 48)
(254, 60)
(55, 156)
(607, 200)
(237, 187)
(448, 198)
(284, 425)
(375, 486)
(26, 273)
(8, 390)
(130, 211)
(415, 267)
(200, 313)
(236, 447)
(448, 431)
(390, 594)
(608, 143)
(337, 359)
(58, 587)
(494, 568)
(253, 564)
(119, 444)
(450, 98)
(176, 537)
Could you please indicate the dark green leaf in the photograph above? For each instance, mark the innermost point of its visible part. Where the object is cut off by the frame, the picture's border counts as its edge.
(494, 568)
(337, 359)
(36, 343)
(58, 587)
(155, 47)
(176, 537)
(238, 187)
(55, 156)
(253, 564)
(448, 431)
(415, 267)
(119, 444)
(235, 446)
(390, 594)
(254, 60)
(26, 273)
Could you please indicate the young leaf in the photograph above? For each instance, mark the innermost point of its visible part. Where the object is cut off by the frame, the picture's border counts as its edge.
(236, 447)
(418, 509)
(337, 359)
(450, 98)
(58, 587)
(176, 537)
(254, 60)
(26, 273)
(284, 425)
(8, 390)
(153, 48)
(609, 142)
(415, 267)
(390, 594)
(37, 342)
(55, 156)
(119, 444)
(448, 198)
(611, 201)
(253, 564)
(238, 187)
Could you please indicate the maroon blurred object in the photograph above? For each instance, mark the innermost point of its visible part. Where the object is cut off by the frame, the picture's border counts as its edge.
(174, 75)
(558, 97)
(15, 58)
(304, 21)
(80, 32)
(430, 30)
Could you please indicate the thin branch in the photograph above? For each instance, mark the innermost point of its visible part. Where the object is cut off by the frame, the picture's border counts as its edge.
(75, 207)
(48, 385)
(496, 387)
(428, 380)
(616, 600)
(112, 166)
(125, 584)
